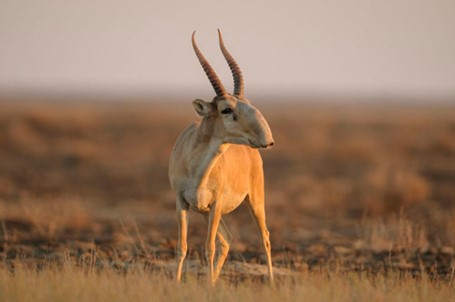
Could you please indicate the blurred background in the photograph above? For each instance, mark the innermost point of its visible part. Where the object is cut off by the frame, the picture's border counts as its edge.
(286, 49)
(360, 96)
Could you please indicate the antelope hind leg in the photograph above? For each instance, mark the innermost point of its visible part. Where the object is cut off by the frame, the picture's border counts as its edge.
(258, 213)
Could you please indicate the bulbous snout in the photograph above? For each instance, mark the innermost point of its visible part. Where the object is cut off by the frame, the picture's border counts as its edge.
(251, 128)
(266, 140)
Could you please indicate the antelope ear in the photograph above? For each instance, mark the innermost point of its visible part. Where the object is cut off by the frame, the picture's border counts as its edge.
(202, 107)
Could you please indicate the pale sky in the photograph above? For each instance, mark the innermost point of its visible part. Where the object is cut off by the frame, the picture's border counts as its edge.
(351, 47)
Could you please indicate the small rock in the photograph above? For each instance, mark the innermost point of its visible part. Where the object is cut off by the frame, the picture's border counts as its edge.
(317, 249)
(448, 250)
(342, 250)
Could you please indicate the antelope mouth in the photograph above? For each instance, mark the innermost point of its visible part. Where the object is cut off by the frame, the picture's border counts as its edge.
(259, 146)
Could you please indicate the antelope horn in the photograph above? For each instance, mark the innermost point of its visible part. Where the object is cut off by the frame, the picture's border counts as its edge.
(213, 78)
(235, 69)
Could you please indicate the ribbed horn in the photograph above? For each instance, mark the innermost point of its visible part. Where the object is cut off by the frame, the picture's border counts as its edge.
(213, 78)
(235, 69)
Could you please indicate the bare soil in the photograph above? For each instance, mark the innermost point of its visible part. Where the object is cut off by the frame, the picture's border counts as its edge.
(349, 187)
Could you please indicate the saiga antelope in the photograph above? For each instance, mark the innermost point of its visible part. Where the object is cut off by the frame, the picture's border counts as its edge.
(215, 165)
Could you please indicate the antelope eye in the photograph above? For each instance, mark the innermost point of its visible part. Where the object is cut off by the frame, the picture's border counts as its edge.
(226, 111)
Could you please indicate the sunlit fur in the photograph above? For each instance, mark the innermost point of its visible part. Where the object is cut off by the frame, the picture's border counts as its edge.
(214, 167)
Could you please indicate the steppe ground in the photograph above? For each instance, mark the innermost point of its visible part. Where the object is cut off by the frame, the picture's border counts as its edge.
(360, 201)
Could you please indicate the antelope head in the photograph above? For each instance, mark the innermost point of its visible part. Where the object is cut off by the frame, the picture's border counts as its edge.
(231, 117)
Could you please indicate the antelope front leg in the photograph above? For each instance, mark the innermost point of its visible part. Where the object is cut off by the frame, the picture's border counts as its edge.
(224, 245)
(213, 224)
(182, 216)
(224, 238)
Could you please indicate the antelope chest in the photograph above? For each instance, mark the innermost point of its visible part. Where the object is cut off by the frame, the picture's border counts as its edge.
(201, 200)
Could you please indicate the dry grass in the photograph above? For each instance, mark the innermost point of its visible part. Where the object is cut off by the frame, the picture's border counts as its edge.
(70, 283)
(48, 218)
(360, 203)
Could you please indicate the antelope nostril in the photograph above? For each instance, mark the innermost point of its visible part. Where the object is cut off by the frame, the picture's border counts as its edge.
(265, 146)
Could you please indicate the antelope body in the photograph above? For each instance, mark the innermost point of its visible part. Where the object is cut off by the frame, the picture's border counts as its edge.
(215, 166)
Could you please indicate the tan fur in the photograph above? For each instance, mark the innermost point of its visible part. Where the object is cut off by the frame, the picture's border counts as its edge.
(215, 166)
(213, 169)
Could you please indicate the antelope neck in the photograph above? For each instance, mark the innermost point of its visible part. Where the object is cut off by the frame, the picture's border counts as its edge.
(207, 150)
